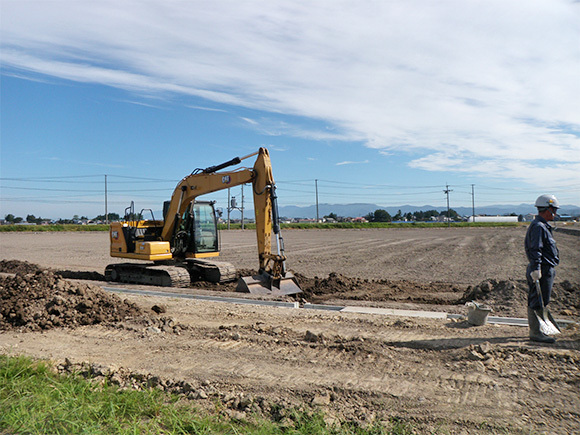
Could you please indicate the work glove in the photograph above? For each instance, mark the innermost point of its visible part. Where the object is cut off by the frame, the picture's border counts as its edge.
(536, 274)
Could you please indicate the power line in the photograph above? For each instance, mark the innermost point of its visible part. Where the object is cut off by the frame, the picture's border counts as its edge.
(76, 177)
(44, 189)
(75, 189)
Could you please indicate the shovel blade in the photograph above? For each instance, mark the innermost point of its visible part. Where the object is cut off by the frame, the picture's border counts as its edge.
(263, 284)
(552, 320)
(544, 317)
(546, 327)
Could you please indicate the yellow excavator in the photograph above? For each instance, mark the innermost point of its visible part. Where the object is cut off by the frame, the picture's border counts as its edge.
(181, 248)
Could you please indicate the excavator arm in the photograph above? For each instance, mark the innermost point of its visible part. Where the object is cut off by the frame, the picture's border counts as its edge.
(273, 276)
(195, 185)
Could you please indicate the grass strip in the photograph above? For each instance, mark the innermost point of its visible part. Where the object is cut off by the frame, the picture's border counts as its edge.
(295, 226)
(52, 228)
(34, 399)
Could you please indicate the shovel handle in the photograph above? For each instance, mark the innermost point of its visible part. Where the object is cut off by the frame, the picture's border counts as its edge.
(539, 291)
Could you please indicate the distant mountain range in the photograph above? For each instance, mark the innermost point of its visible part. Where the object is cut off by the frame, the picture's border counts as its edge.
(356, 210)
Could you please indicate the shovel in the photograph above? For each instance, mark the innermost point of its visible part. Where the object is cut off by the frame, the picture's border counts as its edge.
(548, 325)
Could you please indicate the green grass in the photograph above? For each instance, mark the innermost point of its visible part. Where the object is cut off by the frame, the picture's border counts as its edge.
(295, 226)
(360, 225)
(34, 399)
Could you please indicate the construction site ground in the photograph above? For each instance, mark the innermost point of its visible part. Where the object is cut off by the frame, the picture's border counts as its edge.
(441, 375)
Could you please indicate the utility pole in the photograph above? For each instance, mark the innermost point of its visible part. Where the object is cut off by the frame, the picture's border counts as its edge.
(446, 191)
(242, 209)
(473, 203)
(233, 205)
(316, 185)
(229, 207)
(106, 210)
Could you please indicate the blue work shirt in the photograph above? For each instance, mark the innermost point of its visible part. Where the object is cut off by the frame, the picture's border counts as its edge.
(540, 245)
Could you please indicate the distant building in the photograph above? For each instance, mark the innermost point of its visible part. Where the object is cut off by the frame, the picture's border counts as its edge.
(565, 218)
(492, 219)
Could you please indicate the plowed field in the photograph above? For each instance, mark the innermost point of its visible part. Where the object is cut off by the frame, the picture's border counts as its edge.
(442, 375)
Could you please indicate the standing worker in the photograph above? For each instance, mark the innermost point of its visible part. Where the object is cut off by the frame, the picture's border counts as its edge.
(543, 257)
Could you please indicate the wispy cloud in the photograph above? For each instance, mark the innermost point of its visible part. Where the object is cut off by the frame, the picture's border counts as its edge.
(276, 148)
(276, 127)
(207, 109)
(141, 103)
(488, 86)
(351, 163)
(249, 121)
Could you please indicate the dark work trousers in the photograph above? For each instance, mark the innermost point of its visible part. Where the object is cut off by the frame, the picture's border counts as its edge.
(546, 283)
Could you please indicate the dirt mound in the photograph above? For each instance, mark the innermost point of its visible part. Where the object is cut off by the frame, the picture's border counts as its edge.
(337, 286)
(17, 266)
(73, 274)
(508, 297)
(24, 267)
(43, 300)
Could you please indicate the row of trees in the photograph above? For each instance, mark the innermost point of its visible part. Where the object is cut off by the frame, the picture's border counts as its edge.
(31, 219)
(378, 215)
(381, 215)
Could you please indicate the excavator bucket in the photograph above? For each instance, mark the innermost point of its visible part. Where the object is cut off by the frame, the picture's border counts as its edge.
(264, 284)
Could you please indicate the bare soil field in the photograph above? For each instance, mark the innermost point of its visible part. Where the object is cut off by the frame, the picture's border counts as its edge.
(441, 375)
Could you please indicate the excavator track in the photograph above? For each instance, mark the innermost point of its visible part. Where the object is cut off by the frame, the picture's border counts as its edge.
(163, 276)
(212, 271)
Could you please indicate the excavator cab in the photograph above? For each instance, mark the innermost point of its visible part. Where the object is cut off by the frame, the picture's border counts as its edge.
(205, 228)
(196, 234)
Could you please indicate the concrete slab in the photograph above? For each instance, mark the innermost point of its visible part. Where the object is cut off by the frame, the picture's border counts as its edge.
(393, 312)
(309, 306)
(205, 298)
(352, 309)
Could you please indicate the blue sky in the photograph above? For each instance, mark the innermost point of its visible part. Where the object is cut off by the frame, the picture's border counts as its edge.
(384, 102)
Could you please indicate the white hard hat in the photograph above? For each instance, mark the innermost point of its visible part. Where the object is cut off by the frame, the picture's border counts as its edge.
(545, 201)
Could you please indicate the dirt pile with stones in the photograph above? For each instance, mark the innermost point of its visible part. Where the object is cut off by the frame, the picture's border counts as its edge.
(17, 266)
(509, 296)
(505, 297)
(43, 300)
(340, 286)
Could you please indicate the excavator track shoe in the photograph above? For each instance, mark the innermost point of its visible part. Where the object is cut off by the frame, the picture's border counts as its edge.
(162, 276)
(211, 271)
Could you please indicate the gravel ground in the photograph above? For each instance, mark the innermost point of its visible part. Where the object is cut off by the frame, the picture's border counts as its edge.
(440, 375)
